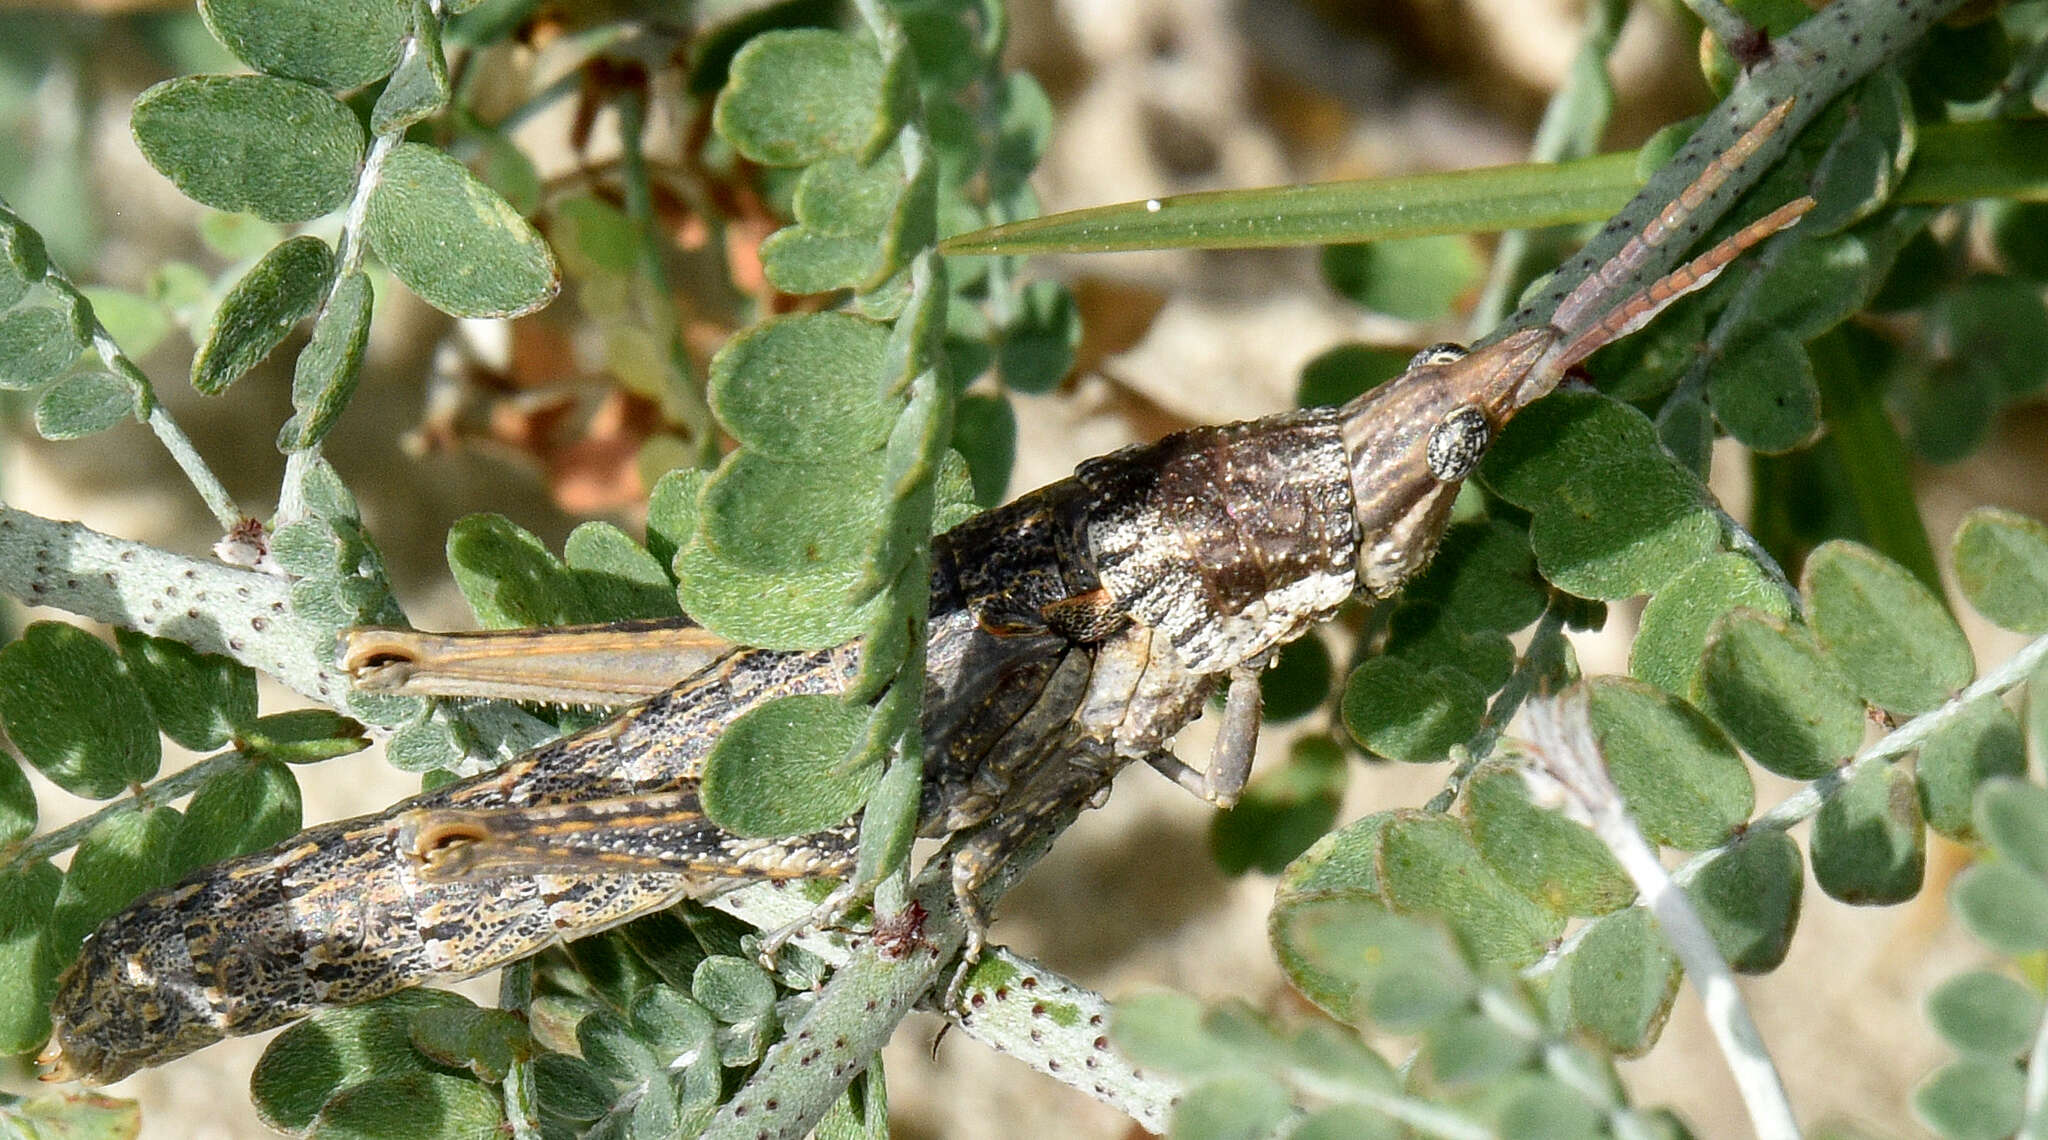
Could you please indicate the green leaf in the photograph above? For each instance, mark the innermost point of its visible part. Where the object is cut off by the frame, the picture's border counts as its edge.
(199, 699)
(329, 365)
(792, 518)
(1677, 621)
(85, 404)
(238, 810)
(1298, 682)
(1284, 809)
(35, 345)
(1808, 287)
(1869, 843)
(985, 434)
(1680, 776)
(17, 804)
(841, 196)
(303, 736)
(28, 966)
(1425, 637)
(1889, 633)
(1416, 716)
(453, 241)
(2012, 815)
(794, 97)
(414, 1104)
(510, 579)
(22, 258)
(1764, 394)
(1779, 696)
(1346, 372)
(2005, 906)
(1560, 438)
(805, 387)
(252, 144)
(335, 43)
(137, 323)
(1163, 1030)
(1992, 329)
(1540, 853)
(419, 85)
(1471, 1050)
(1429, 865)
(258, 313)
(1415, 279)
(617, 576)
(2019, 232)
(484, 1041)
(1972, 1099)
(1981, 743)
(1622, 982)
(774, 610)
(777, 769)
(75, 713)
(1484, 576)
(571, 1088)
(801, 261)
(1239, 1106)
(339, 1048)
(1985, 1013)
(1039, 345)
(1623, 529)
(2001, 562)
(121, 858)
(1748, 896)
(1399, 973)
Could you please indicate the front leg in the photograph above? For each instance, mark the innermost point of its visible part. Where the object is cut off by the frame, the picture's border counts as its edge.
(1230, 760)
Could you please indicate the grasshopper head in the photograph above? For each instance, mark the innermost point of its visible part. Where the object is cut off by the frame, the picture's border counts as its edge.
(1413, 440)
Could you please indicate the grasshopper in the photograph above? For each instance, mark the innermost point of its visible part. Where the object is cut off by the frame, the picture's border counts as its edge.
(1073, 631)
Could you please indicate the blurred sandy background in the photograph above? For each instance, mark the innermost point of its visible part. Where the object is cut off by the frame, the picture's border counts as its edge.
(1155, 96)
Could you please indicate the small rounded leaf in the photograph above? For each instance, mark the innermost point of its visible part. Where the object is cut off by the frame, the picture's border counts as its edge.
(414, 1104)
(1779, 696)
(1887, 631)
(339, 44)
(1542, 854)
(1981, 743)
(1748, 896)
(23, 259)
(1406, 714)
(2001, 563)
(199, 699)
(238, 810)
(330, 364)
(1416, 279)
(1676, 622)
(1559, 438)
(777, 769)
(453, 241)
(1764, 393)
(1484, 576)
(796, 96)
(309, 1063)
(2012, 815)
(1429, 865)
(1972, 1099)
(28, 967)
(1624, 528)
(805, 386)
(252, 144)
(35, 345)
(83, 405)
(1366, 963)
(75, 713)
(1985, 1013)
(258, 313)
(1680, 776)
(1869, 843)
(122, 857)
(1622, 982)
(1236, 1106)
(2004, 906)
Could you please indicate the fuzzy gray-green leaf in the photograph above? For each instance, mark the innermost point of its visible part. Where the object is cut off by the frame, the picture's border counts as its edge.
(258, 313)
(338, 44)
(794, 97)
(1985, 1013)
(1430, 865)
(253, 144)
(805, 387)
(23, 260)
(1677, 620)
(123, 856)
(85, 404)
(307, 1064)
(1624, 528)
(1622, 982)
(1869, 843)
(777, 769)
(1681, 777)
(1982, 743)
(329, 365)
(1973, 1098)
(1886, 630)
(75, 713)
(28, 968)
(453, 241)
(2001, 561)
(1779, 696)
(35, 345)
(419, 86)
(1542, 854)
(236, 811)
(1748, 896)
(1404, 713)
(1764, 394)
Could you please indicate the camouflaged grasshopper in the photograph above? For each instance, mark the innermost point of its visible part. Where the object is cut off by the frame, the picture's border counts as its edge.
(1073, 631)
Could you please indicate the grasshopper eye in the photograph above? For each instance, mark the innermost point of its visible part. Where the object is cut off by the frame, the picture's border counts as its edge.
(1457, 442)
(1442, 352)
